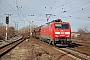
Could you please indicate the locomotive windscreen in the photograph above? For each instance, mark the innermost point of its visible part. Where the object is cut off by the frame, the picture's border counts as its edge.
(62, 26)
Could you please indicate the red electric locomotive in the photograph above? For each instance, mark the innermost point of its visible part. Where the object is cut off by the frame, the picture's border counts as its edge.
(56, 32)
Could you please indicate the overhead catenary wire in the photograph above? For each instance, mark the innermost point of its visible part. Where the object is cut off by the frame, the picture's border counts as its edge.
(19, 11)
(10, 6)
(3, 7)
(74, 9)
(2, 10)
(15, 2)
(17, 7)
(78, 6)
(79, 11)
(70, 11)
(58, 6)
(54, 2)
(65, 2)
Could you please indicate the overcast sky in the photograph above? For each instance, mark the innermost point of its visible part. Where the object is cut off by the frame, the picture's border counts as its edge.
(77, 12)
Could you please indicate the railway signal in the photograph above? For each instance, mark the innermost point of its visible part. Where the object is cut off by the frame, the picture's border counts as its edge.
(7, 23)
(7, 19)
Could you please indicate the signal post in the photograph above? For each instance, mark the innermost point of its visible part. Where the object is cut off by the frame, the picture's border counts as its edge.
(7, 23)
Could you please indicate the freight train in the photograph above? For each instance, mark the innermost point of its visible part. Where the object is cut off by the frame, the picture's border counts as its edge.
(54, 32)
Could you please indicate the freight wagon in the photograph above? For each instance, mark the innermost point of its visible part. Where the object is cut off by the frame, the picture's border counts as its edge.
(36, 32)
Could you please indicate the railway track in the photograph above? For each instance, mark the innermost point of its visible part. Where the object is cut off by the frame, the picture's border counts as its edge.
(77, 55)
(74, 54)
(8, 47)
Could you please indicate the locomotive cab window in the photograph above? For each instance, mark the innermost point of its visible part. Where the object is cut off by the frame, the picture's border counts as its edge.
(63, 26)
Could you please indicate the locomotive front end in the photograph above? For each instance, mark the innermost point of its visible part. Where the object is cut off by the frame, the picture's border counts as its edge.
(62, 33)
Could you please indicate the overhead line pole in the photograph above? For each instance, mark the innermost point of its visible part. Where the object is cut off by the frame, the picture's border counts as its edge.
(30, 25)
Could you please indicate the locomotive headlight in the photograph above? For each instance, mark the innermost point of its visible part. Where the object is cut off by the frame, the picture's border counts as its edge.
(56, 35)
(67, 32)
(57, 32)
(67, 36)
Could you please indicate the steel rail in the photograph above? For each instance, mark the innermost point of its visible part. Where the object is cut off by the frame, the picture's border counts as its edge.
(9, 47)
(74, 54)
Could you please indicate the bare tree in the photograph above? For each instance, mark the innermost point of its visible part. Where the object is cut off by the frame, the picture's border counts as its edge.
(11, 32)
(84, 34)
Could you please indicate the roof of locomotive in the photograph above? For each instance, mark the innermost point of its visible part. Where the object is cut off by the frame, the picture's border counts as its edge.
(55, 21)
(58, 20)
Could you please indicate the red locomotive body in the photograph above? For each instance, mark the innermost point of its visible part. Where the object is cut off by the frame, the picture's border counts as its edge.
(56, 32)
